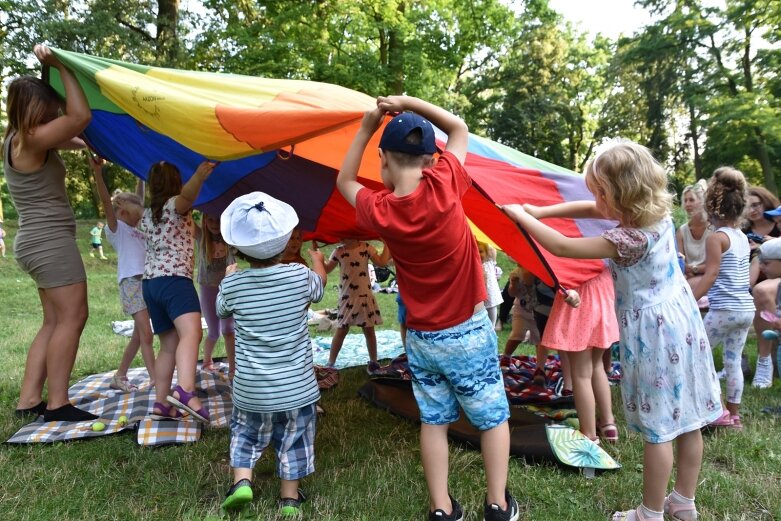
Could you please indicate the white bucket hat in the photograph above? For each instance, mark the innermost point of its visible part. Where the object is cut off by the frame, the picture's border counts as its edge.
(258, 225)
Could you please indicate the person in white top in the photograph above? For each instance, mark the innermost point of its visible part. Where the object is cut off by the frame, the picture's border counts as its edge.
(123, 212)
(691, 236)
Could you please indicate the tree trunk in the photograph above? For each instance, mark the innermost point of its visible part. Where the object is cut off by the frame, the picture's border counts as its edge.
(764, 161)
(693, 130)
(167, 39)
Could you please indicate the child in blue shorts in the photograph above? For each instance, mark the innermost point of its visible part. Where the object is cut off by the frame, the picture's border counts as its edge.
(450, 343)
(274, 388)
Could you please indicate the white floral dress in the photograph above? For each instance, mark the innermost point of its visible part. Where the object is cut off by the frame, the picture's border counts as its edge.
(669, 385)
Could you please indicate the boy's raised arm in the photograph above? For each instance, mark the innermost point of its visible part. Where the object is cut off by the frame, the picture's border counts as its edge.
(347, 180)
(455, 127)
(96, 163)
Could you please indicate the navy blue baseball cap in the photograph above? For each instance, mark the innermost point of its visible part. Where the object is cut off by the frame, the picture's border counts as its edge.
(394, 137)
(772, 213)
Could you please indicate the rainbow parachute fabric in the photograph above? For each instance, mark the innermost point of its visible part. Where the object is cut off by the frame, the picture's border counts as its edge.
(288, 138)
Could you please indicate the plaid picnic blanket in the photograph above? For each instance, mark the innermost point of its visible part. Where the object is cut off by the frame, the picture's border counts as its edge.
(93, 394)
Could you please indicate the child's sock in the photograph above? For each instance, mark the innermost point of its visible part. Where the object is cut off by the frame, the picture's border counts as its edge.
(680, 499)
(67, 413)
(647, 513)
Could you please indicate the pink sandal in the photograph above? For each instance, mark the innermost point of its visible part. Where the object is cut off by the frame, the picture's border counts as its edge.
(608, 432)
(672, 509)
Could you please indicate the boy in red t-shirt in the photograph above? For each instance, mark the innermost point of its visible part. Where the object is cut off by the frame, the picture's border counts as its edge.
(451, 345)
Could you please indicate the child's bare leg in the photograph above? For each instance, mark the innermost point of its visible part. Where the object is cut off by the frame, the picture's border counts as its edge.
(242, 473)
(336, 344)
(582, 369)
(130, 353)
(164, 365)
(542, 355)
(188, 328)
(434, 453)
(208, 350)
(495, 448)
(601, 388)
(689, 452)
(657, 466)
(230, 350)
(403, 333)
(288, 488)
(510, 346)
(371, 342)
(566, 370)
(607, 360)
(141, 324)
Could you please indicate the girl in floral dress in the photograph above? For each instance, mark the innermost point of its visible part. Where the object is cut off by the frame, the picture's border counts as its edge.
(357, 306)
(669, 389)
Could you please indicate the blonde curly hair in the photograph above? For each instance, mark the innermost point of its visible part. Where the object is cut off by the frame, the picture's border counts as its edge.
(633, 183)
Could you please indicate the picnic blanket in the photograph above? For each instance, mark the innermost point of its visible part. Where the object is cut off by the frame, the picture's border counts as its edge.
(531, 436)
(518, 373)
(354, 351)
(93, 394)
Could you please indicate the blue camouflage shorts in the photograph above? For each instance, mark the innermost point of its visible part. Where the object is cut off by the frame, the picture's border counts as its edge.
(458, 366)
(292, 433)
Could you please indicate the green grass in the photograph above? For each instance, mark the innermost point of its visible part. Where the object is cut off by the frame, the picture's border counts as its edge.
(368, 462)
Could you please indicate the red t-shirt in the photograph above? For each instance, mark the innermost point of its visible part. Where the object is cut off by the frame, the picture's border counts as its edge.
(437, 263)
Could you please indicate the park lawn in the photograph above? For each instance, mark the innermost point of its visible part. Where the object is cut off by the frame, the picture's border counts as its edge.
(368, 462)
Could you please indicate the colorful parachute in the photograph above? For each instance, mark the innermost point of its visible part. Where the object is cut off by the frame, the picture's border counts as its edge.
(288, 138)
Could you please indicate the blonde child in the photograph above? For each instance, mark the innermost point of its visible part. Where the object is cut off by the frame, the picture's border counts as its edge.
(726, 281)
(95, 240)
(357, 306)
(39, 124)
(669, 388)
(215, 260)
(488, 258)
(123, 212)
(168, 286)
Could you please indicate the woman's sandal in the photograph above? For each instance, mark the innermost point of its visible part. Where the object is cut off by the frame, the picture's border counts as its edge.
(167, 412)
(608, 432)
(672, 509)
(182, 401)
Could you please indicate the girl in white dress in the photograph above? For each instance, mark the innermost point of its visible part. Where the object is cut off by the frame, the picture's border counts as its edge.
(669, 388)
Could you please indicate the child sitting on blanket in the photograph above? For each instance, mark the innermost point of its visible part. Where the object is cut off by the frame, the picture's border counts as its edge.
(123, 212)
(274, 389)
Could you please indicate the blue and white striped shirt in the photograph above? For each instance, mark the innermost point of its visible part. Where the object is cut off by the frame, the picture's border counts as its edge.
(274, 368)
(730, 290)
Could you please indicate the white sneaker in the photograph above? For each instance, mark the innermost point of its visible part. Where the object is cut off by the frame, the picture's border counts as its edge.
(763, 376)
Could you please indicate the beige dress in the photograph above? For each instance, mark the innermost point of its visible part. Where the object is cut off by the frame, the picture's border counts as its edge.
(45, 246)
